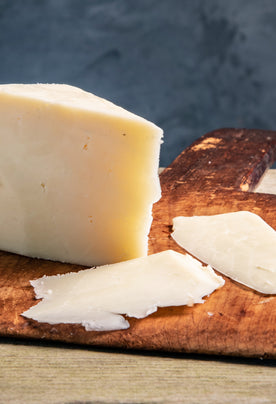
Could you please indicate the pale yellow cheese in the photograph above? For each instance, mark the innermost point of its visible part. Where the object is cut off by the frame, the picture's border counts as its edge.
(96, 298)
(240, 245)
(267, 185)
(78, 175)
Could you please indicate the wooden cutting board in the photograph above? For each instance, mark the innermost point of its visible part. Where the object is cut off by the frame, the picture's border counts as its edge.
(216, 174)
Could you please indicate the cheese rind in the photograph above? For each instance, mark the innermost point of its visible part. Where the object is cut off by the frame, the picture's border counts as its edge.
(240, 245)
(78, 175)
(96, 298)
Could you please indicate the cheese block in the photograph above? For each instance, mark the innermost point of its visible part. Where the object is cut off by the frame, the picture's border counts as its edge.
(96, 298)
(240, 245)
(78, 175)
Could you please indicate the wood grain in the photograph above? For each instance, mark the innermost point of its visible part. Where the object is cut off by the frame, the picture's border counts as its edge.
(216, 174)
(57, 373)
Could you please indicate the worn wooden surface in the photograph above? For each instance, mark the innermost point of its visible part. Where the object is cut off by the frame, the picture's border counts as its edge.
(214, 175)
(55, 373)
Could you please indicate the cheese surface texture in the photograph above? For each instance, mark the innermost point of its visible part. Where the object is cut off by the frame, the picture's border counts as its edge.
(96, 298)
(240, 245)
(78, 175)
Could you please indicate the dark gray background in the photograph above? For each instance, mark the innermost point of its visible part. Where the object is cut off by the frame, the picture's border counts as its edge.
(190, 66)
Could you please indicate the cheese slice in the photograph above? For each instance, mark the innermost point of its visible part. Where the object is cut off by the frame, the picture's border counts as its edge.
(78, 175)
(240, 245)
(96, 298)
(267, 185)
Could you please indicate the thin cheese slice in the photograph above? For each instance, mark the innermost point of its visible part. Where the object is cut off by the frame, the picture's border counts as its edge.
(240, 245)
(78, 175)
(267, 185)
(96, 298)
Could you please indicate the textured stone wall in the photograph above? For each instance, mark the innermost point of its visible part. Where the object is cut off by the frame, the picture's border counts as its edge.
(188, 65)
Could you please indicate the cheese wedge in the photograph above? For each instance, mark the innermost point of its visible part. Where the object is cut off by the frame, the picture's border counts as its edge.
(240, 245)
(96, 298)
(78, 175)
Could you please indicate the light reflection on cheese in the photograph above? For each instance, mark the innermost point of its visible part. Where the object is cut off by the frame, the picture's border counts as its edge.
(97, 298)
(240, 245)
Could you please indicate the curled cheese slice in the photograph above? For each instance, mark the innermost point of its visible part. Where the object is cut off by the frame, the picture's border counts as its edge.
(240, 245)
(97, 298)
